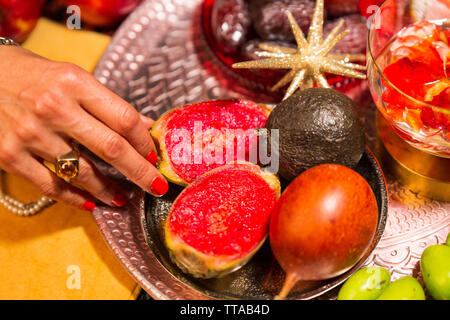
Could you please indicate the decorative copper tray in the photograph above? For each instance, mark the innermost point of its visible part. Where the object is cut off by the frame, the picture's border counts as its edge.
(159, 59)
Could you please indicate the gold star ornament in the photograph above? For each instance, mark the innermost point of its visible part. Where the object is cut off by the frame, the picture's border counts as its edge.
(311, 59)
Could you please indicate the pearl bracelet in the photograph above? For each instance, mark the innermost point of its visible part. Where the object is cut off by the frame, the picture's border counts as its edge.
(22, 209)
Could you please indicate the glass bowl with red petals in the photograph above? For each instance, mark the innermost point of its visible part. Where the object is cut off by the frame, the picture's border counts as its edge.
(408, 71)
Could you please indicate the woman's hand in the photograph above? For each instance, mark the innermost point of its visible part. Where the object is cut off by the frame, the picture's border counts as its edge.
(44, 105)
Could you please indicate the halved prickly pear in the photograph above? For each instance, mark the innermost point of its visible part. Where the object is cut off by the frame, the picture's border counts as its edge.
(219, 222)
(195, 139)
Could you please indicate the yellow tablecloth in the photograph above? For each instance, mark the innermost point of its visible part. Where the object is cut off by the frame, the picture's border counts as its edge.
(59, 253)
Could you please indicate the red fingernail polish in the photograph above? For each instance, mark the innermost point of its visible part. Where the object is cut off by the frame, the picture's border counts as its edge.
(152, 158)
(159, 186)
(88, 206)
(119, 200)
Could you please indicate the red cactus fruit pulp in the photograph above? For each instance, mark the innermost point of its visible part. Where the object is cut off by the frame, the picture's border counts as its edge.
(217, 223)
(214, 117)
(322, 224)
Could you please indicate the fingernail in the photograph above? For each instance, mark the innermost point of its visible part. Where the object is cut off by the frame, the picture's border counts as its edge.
(88, 206)
(152, 158)
(120, 200)
(159, 186)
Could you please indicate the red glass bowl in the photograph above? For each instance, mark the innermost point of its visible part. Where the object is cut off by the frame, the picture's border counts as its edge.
(260, 80)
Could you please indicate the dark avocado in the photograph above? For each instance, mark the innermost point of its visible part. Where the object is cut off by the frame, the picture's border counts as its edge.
(316, 126)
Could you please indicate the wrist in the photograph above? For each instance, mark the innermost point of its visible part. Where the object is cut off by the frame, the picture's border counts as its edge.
(9, 52)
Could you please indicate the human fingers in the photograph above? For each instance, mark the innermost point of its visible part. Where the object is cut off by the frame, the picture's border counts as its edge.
(89, 178)
(117, 151)
(61, 111)
(148, 122)
(40, 141)
(24, 165)
(112, 110)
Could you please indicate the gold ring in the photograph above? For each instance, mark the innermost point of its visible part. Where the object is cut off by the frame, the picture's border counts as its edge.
(66, 166)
